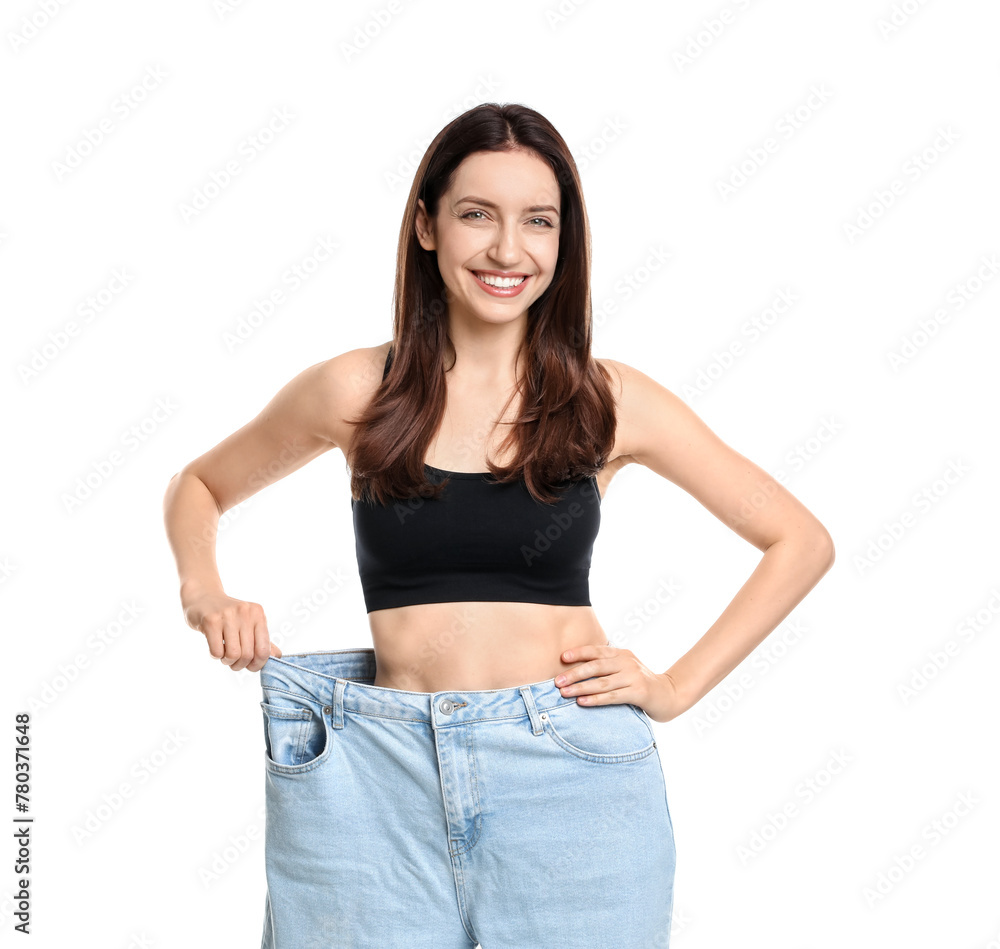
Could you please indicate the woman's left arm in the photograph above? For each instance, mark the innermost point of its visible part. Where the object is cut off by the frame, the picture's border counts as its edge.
(658, 430)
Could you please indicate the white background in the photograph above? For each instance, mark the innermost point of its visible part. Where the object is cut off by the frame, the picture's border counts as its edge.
(659, 106)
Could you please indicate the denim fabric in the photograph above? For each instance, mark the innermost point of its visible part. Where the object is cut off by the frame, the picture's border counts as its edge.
(506, 818)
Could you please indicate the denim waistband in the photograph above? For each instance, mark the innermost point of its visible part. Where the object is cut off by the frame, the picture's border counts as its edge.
(342, 679)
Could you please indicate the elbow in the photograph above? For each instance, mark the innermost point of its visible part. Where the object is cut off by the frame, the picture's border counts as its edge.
(813, 546)
(821, 548)
(172, 483)
(168, 492)
(173, 486)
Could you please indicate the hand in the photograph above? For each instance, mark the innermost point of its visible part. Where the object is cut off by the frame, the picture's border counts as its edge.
(618, 678)
(235, 629)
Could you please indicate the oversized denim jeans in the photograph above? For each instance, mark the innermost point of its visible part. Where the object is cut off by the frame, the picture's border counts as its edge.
(506, 818)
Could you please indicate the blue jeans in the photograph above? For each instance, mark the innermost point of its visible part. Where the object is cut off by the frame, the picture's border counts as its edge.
(510, 818)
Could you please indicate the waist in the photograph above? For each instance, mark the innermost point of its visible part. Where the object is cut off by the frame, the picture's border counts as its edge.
(343, 680)
(431, 647)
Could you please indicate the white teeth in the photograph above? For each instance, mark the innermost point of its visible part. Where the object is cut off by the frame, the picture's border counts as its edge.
(502, 283)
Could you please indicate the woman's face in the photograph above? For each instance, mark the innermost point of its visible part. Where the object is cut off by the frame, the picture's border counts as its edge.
(500, 217)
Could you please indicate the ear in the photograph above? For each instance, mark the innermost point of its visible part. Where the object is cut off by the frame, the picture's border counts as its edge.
(424, 226)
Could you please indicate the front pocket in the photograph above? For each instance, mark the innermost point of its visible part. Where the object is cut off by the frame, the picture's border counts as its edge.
(607, 734)
(296, 738)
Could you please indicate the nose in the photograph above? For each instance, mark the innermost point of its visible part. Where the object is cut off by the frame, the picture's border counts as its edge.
(506, 247)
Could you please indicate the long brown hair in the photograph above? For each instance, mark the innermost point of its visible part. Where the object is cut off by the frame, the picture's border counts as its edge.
(566, 426)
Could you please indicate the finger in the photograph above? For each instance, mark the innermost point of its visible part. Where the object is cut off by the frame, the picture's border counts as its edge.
(598, 686)
(262, 644)
(231, 633)
(611, 697)
(247, 646)
(213, 636)
(609, 676)
(587, 651)
(584, 671)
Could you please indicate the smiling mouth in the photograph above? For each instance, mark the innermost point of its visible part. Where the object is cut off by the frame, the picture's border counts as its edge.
(500, 283)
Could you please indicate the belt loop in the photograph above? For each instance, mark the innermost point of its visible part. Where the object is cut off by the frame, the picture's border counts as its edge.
(336, 710)
(529, 703)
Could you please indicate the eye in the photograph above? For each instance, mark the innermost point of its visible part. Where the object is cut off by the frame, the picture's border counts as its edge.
(467, 217)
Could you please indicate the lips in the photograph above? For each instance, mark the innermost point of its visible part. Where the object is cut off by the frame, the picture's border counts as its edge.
(501, 291)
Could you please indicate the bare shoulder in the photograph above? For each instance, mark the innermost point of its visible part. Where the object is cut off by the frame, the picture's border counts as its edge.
(649, 414)
(633, 391)
(344, 385)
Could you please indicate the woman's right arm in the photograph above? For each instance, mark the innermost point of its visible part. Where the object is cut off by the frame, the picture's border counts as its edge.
(301, 422)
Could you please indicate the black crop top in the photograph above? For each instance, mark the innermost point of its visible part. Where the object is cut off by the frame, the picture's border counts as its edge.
(480, 540)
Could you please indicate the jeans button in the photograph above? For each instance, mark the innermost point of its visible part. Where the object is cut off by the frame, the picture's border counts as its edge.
(446, 706)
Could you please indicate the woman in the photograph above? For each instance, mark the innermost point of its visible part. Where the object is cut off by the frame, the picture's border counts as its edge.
(487, 773)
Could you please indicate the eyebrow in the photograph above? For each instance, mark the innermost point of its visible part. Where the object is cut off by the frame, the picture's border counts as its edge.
(489, 204)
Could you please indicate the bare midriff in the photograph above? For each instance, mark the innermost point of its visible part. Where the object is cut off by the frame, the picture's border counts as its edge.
(435, 647)
(473, 645)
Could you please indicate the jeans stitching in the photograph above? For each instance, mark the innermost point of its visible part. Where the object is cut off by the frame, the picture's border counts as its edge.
(468, 721)
(304, 697)
(474, 774)
(595, 757)
(311, 765)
